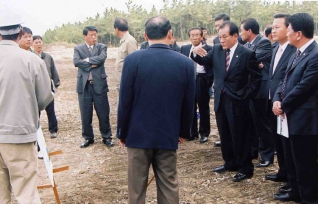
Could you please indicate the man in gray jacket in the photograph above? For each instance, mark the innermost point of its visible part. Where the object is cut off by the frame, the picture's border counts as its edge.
(24, 91)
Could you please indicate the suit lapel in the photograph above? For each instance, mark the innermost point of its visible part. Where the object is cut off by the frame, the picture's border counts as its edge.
(283, 58)
(235, 58)
(85, 49)
(94, 52)
(302, 56)
(255, 42)
(271, 67)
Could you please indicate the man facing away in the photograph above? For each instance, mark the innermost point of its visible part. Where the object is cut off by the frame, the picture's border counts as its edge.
(128, 44)
(24, 91)
(92, 86)
(50, 65)
(155, 112)
(236, 79)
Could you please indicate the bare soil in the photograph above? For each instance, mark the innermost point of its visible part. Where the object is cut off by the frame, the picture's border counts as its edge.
(98, 174)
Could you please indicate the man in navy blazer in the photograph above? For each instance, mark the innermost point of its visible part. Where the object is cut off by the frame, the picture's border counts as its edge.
(236, 79)
(280, 57)
(203, 83)
(92, 86)
(155, 112)
(296, 99)
(259, 128)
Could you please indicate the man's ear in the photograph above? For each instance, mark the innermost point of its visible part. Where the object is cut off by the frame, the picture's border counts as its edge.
(146, 36)
(169, 35)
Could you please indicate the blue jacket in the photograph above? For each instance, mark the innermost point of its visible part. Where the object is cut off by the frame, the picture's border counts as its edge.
(156, 98)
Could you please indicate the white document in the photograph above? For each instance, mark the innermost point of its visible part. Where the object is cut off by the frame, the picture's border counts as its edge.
(45, 152)
(282, 127)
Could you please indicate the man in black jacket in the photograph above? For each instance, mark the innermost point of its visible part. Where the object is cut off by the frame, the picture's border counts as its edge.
(236, 79)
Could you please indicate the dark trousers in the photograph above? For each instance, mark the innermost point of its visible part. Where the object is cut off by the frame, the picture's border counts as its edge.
(260, 130)
(202, 100)
(231, 119)
(304, 155)
(50, 111)
(164, 164)
(101, 105)
(278, 141)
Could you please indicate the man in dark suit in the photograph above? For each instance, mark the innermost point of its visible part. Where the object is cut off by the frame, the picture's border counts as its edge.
(218, 20)
(280, 58)
(202, 96)
(92, 86)
(259, 128)
(236, 79)
(155, 111)
(296, 100)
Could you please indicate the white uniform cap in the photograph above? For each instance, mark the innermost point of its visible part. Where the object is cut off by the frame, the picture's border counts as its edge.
(9, 19)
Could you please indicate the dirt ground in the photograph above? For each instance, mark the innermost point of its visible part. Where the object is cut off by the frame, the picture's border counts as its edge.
(98, 174)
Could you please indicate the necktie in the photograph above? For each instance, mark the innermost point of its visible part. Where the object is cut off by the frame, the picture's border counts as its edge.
(277, 57)
(282, 94)
(227, 60)
(90, 77)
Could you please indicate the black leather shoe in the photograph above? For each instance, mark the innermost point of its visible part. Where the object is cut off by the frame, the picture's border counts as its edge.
(219, 169)
(274, 177)
(217, 144)
(108, 143)
(87, 143)
(203, 139)
(285, 189)
(264, 164)
(240, 177)
(286, 197)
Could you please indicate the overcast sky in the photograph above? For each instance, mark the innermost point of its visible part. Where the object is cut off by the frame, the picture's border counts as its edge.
(40, 15)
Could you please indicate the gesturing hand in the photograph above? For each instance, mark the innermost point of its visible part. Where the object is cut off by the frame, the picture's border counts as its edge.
(199, 50)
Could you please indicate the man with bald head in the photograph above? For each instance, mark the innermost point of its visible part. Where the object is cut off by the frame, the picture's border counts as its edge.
(155, 112)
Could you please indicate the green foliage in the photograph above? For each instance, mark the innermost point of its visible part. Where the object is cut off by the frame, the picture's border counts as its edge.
(183, 14)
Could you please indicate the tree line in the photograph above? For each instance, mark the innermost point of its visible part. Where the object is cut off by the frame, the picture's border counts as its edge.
(183, 14)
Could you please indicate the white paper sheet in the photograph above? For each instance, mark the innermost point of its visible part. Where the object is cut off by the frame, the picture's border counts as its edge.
(282, 127)
(45, 152)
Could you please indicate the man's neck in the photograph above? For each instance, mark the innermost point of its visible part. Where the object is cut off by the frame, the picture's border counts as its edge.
(38, 52)
(303, 42)
(25, 48)
(121, 34)
(252, 38)
(282, 42)
(161, 41)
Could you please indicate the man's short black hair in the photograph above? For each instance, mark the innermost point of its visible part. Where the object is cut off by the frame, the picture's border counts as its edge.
(223, 17)
(304, 23)
(89, 28)
(268, 31)
(157, 27)
(233, 27)
(35, 37)
(196, 28)
(204, 28)
(251, 23)
(10, 37)
(121, 24)
(283, 15)
(26, 30)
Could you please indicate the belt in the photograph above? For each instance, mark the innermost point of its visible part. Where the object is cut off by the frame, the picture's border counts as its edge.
(90, 81)
(201, 74)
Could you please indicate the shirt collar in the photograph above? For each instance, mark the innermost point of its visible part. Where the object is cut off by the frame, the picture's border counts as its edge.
(304, 47)
(124, 37)
(254, 39)
(283, 47)
(92, 46)
(232, 49)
